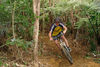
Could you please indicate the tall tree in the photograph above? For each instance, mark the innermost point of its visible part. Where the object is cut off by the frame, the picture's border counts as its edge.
(13, 15)
(50, 13)
(36, 10)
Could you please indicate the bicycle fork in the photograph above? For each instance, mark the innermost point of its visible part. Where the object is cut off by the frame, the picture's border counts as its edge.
(62, 44)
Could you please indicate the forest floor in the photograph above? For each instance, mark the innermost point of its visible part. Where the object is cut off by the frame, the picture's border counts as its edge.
(51, 56)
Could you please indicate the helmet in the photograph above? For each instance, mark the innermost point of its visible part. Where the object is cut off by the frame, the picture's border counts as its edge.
(57, 20)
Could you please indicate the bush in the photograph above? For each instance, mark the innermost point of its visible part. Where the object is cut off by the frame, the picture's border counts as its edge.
(19, 42)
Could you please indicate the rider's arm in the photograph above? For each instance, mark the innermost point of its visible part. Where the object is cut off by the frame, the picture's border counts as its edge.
(50, 36)
(65, 29)
(50, 33)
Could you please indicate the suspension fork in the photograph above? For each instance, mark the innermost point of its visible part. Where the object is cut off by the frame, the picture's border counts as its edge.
(61, 41)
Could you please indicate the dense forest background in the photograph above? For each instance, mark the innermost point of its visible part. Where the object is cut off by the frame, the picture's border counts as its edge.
(82, 18)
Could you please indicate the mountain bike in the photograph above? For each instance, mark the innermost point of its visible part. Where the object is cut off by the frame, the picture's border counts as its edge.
(66, 51)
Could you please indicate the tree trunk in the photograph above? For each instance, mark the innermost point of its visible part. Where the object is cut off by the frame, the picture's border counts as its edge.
(53, 3)
(13, 15)
(72, 18)
(77, 31)
(43, 20)
(43, 28)
(50, 13)
(36, 10)
(49, 3)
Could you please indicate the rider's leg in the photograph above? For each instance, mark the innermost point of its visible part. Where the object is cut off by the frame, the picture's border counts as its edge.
(63, 37)
(57, 43)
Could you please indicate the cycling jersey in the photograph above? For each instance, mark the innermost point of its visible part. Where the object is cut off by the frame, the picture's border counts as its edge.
(56, 29)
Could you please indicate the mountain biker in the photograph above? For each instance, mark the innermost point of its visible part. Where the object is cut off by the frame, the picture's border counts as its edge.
(58, 29)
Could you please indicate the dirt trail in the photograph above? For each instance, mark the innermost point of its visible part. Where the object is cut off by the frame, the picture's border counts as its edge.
(52, 57)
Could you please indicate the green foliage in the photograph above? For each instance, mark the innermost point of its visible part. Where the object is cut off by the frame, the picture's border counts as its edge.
(24, 17)
(5, 15)
(88, 16)
(5, 65)
(97, 60)
(92, 46)
(81, 22)
(89, 19)
(1, 63)
(65, 5)
(19, 42)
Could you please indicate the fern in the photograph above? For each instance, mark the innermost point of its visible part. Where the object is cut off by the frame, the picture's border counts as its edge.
(80, 22)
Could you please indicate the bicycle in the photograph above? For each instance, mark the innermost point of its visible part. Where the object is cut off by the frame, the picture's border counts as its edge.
(66, 51)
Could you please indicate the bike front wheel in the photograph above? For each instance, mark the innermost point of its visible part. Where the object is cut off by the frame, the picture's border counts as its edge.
(67, 54)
